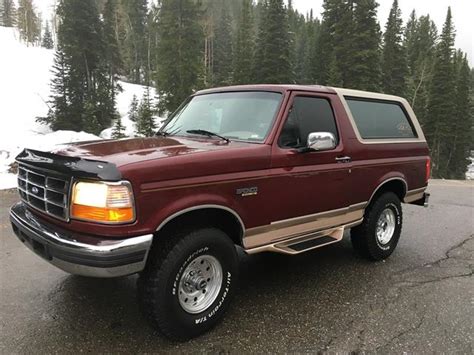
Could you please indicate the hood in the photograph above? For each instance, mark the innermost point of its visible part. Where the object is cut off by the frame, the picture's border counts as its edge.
(133, 150)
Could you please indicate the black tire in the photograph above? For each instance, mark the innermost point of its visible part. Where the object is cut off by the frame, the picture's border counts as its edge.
(158, 285)
(364, 237)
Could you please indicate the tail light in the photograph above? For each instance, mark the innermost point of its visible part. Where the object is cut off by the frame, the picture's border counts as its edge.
(428, 169)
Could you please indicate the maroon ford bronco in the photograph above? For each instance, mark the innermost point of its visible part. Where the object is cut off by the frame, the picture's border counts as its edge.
(266, 168)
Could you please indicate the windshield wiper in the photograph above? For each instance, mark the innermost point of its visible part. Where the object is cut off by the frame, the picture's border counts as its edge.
(203, 132)
(163, 133)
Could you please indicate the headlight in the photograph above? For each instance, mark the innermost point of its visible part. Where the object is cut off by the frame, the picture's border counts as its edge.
(103, 202)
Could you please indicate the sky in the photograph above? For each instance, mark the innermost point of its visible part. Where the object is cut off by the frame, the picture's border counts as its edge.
(462, 11)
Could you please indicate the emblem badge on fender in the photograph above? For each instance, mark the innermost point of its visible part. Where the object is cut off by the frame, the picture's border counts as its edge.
(247, 191)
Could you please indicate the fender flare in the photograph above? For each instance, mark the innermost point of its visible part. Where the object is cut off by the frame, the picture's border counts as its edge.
(202, 207)
(399, 178)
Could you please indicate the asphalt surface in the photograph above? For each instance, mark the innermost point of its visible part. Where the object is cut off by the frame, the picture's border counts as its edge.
(421, 300)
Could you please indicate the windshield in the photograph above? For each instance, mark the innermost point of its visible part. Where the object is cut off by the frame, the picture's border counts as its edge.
(235, 115)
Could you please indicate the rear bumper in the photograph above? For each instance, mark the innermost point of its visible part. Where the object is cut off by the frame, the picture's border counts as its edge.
(80, 255)
(423, 201)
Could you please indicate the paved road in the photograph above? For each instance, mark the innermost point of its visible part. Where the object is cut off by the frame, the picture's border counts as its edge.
(421, 300)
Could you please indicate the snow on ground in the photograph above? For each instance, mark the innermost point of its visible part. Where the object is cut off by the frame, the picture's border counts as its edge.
(45, 142)
(25, 75)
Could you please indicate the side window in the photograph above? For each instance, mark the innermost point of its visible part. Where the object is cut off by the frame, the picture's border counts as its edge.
(380, 119)
(307, 115)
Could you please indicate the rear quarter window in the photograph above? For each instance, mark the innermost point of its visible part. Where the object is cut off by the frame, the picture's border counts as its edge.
(378, 119)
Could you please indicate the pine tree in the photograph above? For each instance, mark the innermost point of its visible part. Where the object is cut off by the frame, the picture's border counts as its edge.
(152, 31)
(312, 58)
(462, 121)
(334, 75)
(333, 31)
(60, 112)
(299, 31)
(260, 41)
(2, 14)
(410, 41)
(113, 61)
(47, 40)
(208, 20)
(81, 99)
(420, 51)
(134, 47)
(133, 110)
(28, 22)
(179, 53)
(145, 126)
(117, 24)
(343, 45)
(222, 64)
(394, 61)
(272, 56)
(118, 130)
(364, 72)
(441, 101)
(322, 54)
(297, 41)
(244, 46)
(112, 52)
(8, 14)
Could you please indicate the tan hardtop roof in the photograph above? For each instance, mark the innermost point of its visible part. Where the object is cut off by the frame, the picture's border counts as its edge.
(367, 94)
(310, 88)
(269, 87)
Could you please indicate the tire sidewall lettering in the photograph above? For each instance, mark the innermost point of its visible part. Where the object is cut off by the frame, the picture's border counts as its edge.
(214, 309)
(220, 301)
(397, 212)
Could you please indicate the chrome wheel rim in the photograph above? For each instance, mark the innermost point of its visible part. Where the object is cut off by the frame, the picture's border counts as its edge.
(385, 226)
(200, 284)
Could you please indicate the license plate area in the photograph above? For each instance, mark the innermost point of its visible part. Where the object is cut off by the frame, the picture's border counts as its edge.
(37, 247)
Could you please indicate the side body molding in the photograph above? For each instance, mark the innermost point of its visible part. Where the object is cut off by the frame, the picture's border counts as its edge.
(260, 238)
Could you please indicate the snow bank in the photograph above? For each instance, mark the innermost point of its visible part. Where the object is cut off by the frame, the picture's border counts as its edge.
(25, 75)
(24, 86)
(45, 142)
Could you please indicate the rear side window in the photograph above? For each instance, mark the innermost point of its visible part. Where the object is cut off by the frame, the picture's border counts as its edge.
(380, 119)
(307, 115)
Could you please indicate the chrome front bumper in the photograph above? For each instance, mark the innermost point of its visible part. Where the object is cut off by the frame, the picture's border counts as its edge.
(76, 254)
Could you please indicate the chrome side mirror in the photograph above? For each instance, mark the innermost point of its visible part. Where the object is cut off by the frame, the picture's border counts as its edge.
(319, 141)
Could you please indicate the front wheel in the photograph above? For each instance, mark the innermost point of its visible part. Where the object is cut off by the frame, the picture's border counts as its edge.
(377, 237)
(189, 282)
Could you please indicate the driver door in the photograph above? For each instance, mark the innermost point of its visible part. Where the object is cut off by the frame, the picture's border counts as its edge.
(310, 185)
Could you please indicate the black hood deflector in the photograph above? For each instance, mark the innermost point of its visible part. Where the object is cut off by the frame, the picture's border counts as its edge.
(72, 166)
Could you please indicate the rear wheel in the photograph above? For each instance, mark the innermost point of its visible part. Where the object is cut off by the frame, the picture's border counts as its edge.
(189, 282)
(377, 237)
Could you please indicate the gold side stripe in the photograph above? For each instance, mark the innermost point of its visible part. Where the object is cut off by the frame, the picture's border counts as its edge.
(414, 195)
(281, 230)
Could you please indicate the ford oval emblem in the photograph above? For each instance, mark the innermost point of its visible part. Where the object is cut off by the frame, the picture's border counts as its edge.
(35, 190)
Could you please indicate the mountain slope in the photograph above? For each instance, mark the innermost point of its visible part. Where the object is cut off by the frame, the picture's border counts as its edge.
(25, 74)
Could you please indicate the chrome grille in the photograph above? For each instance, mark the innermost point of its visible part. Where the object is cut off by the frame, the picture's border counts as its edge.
(44, 191)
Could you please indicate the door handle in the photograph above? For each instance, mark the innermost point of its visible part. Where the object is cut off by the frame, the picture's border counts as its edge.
(345, 159)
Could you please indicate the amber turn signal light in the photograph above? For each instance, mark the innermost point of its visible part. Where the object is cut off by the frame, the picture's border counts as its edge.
(103, 202)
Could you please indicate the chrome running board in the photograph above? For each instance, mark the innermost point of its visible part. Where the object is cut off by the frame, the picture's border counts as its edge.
(303, 243)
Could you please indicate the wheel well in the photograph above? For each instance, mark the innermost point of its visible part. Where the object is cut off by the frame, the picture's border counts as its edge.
(397, 186)
(215, 217)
